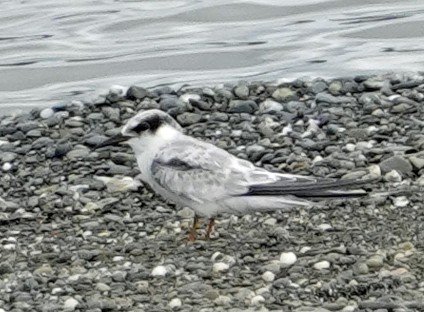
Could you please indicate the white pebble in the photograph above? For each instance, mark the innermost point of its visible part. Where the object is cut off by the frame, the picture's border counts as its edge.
(268, 276)
(9, 247)
(56, 290)
(270, 221)
(350, 147)
(70, 304)
(317, 158)
(6, 166)
(118, 258)
(160, 270)
(287, 129)
(287, 259)
(305, 249)
(257, 300)
(222, 300)
(187, 97)
(349, 309)
(401, 201)
(374, 170)
(46, 113)
(393, 176)
(220, 267)
(175, 303)
(322, 265)
(325, 227)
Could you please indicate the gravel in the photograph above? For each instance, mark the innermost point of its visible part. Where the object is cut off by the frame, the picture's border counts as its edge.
(80, 232)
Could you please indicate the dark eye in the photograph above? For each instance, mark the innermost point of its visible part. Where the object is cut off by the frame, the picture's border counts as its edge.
(143, 126)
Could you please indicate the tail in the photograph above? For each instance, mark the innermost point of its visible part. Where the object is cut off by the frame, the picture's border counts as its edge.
(311, 189)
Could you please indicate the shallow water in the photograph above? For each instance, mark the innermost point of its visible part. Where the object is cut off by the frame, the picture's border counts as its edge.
(52, 51)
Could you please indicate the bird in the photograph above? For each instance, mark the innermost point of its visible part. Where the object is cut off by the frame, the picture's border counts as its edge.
(196, 174)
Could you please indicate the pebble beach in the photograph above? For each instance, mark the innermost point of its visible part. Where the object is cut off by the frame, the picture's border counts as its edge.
(80, 232)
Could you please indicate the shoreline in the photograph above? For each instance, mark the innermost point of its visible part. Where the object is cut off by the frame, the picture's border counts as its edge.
(79, 232)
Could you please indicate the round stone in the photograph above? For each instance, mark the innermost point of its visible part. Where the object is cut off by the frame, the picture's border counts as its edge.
(220, 267)
(46, 113)
(175, 304)
(6, 166)
(288, 259)
(268, 276)
(159, 271)
(322, 265)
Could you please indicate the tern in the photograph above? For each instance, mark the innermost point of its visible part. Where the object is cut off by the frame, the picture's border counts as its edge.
(211, 181)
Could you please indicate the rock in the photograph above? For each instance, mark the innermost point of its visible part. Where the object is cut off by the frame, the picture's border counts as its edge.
(322, 265)
(375, 261)
(116, 93)
(119, 184)
(222, 301)
(270, 107)
(392, 176)
(6, 166)
(318, 86)
(400, 202)
(7, 157)
(257, 300)
(78, 153)
(240, 106)
(242, 92)
(70, 304)
(188, 97)
(187, 119)
(268, 276)
(46, 113)
(287, 259)
(136, 93)
(175, 304)
(218, 116)
(398, 163)
(42, 142)
(159, 271)
(219, 267)
(284, 94)
(417, 162)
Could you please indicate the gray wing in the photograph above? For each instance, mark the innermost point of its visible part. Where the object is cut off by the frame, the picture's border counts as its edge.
(203, 172)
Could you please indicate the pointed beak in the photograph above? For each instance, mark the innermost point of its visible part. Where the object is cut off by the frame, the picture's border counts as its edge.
(116, 139)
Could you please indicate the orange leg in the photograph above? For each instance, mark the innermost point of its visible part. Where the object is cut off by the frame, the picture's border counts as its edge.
(192, 234)
(209, 228)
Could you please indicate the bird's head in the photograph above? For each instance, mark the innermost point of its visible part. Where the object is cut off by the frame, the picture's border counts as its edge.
(145, 124)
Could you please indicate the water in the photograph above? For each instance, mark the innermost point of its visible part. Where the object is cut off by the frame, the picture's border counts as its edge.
(57, 51)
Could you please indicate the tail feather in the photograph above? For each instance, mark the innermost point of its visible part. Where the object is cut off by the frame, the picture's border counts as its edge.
(320, 189)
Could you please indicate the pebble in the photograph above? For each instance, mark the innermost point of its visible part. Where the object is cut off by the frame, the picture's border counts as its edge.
(220, 267)
(284, 94)
(400, 202)
(375, 261)
(70, 304)
(6, 166)
(268, 276)
(159, 271)
(287, 259)
(393, 176)
(175, 304)
(46, 113)
(398, 163)
(257, 300)
(241, 106)
(270, 107)
(322, 265)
